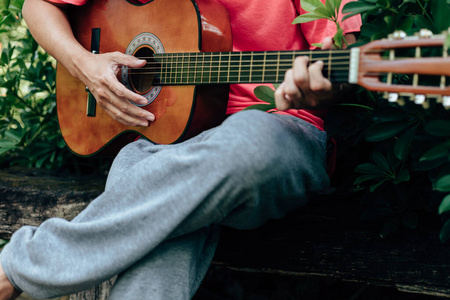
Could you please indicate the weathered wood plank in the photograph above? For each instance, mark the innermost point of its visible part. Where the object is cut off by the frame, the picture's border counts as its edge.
(324, 239)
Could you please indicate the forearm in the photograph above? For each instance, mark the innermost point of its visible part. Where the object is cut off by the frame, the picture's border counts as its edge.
(50, 27)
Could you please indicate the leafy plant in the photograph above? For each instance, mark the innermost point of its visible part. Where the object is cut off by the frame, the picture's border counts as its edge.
(318, 10)
(29, 131)
(407, 164)
(395, 156)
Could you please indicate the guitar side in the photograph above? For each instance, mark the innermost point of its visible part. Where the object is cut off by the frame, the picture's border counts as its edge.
(181, 111)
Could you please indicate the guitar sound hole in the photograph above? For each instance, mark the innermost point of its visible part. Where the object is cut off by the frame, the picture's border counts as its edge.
(142, 78)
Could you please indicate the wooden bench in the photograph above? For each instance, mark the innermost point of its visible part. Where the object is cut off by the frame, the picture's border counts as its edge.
(325, 239)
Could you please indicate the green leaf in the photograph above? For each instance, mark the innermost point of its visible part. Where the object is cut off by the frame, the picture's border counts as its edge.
(364, 178)
(437, 151)
(383, 131)
(307, 18)
(403, 143)
(311, 5)
(373, 187)
(438, 127)
(445, 232)
(6, 149)
(263, 107)
(422, 22)
(15, 135)
(440, 11)
(443, 184)
(402, 176)
(368, 168)
(265, 93)
(357, 7)
(428, 165)
(330, 5)
(445, 205)
(382, 162)
(405, 24)
(339, 38)
(390, 226)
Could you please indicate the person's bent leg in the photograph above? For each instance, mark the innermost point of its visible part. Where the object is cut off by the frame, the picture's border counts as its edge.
(238, 170)
(173, 270)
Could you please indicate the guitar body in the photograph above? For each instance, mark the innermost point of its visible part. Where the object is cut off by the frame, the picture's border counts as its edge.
(173, 26)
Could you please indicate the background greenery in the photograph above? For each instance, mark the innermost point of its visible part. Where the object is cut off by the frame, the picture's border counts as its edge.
(29, 131)
(395, 158)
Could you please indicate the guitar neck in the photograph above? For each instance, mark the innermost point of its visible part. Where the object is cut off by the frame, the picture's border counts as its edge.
(241, 67)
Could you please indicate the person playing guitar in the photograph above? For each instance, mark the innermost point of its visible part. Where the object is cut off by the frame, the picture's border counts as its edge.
(156, 224)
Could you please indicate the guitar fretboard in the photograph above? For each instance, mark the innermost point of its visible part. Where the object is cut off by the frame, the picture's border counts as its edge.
(240, 67)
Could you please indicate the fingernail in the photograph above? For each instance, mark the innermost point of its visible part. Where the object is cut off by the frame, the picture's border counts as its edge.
(151, 118)
(144, 102)
(145, 124)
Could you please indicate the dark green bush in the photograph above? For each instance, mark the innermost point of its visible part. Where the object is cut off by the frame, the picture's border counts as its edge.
(29, 130)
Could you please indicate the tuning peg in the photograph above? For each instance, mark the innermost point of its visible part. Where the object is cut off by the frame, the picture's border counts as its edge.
(419, 99)
(392, 97)
(425, 33)
(398, 35)
(446, 101)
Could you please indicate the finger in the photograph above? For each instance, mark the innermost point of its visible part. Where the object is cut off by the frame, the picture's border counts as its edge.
(327, 43)
(300, 82)
(128, 60)
(291, 89)
(122, 115)
(121, 109)
(281, 102)
(318, 83)
(122, 92)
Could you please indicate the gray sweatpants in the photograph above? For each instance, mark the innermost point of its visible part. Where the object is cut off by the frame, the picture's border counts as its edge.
(156, 222)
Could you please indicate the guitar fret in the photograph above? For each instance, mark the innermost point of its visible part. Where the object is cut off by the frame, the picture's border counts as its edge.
(278, 66)
(218, 71)
(210, 68)
(251, 67)
(229, 63)
(202, 69)
(240, 67)
(188, 65)
(264, 67)
(329, 64)
(170, 68)
(182, 68)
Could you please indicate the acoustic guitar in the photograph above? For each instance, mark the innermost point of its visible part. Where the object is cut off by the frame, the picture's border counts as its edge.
(187, 45)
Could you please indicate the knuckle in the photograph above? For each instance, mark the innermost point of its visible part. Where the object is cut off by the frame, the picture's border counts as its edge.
(119, 93)
(101, 94)
(118, 114)
(124, 108)
(300, 77)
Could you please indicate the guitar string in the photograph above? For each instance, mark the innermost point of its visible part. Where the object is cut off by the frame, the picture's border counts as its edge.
(308, 53)
(236, 78)
(195, 66)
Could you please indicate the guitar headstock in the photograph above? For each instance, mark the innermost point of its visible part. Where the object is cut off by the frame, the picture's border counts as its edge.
(406, 67)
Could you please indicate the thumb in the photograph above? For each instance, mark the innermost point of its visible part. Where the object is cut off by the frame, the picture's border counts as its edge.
(129, 60)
